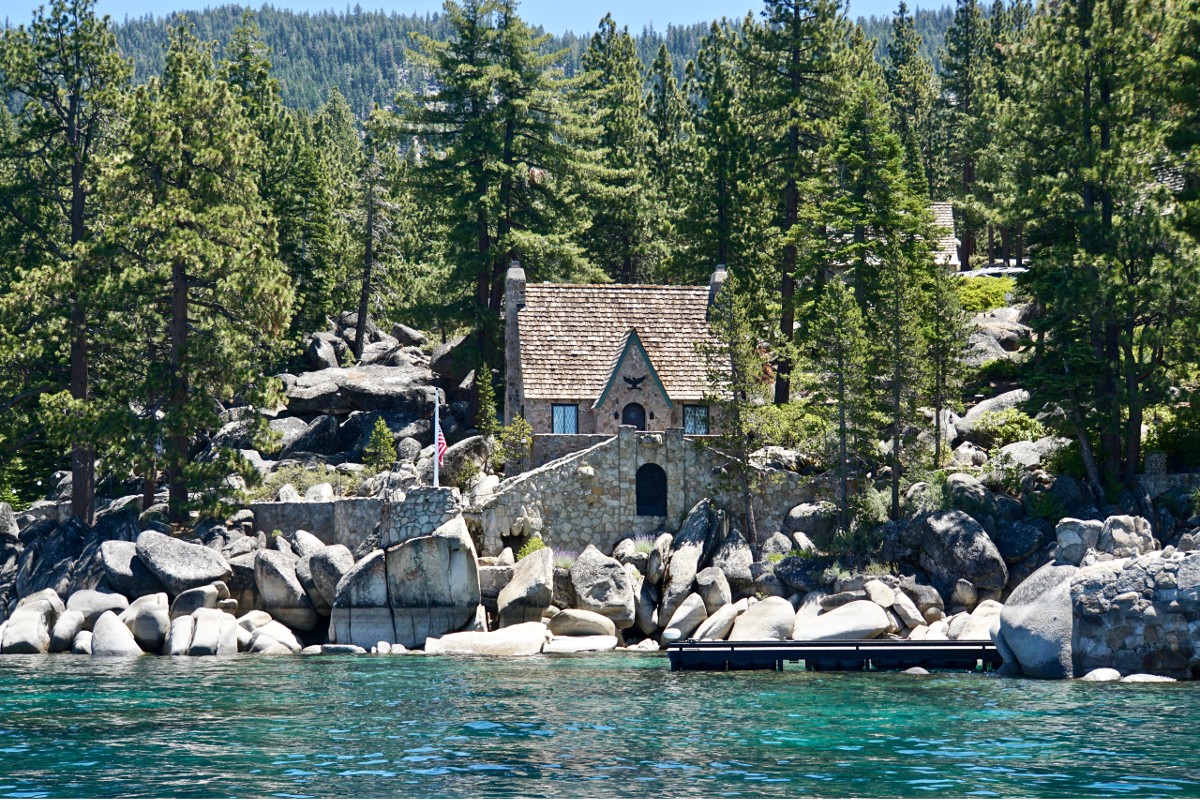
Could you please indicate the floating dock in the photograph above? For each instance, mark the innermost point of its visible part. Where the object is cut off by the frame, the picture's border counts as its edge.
(846, 655)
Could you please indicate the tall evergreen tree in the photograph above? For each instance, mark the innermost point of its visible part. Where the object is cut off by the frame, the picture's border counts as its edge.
(913, 88)
(193, 240)
(792, 55)
(1113, 278)
(624, 197)
(65, 76)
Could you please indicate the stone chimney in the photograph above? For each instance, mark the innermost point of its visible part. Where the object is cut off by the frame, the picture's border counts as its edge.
(715, 283)
(514, 301)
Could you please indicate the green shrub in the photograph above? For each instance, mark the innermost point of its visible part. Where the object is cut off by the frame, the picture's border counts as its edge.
(534, 544)
(514, 442)
(996, 429)
(985, 293)
(774, 558)
(998, 370)
(565, 560)
(1176, 432)
(485, 393)
(380, 453)
(1066, 460)
(643, 544)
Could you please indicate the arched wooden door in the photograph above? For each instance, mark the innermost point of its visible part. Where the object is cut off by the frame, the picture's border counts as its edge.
(634, 415)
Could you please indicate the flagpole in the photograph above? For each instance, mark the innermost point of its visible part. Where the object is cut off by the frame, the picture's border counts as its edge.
(436, 429)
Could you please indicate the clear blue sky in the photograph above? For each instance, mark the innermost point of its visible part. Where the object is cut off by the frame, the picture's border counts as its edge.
(555, 15)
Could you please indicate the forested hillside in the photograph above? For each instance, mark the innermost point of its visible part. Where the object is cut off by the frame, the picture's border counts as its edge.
(364, 53)
(170, 246)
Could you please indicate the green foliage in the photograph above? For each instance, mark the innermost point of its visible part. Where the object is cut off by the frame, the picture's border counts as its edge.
(563, 560)
(1044, 505)
(775, 558)
(1176, 432)
(532, 545)
(985, 292)
(486, 417)
(303, 478)
(998, 370)
(643, 544)
(869, 511)
(995, 429)
(1002, 474)
(1066, 460)
(514, 442)
(380, 452)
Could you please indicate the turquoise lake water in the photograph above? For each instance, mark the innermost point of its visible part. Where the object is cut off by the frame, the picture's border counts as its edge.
(583, 726)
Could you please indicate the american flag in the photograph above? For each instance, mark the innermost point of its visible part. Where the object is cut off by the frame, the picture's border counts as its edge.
(441, 445)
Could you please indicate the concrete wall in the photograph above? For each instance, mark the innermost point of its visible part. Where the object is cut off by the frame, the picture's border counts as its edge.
(590, 497)
(349, 521)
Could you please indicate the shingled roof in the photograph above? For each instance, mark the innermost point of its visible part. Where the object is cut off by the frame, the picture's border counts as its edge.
(570, 333)
(947, 244)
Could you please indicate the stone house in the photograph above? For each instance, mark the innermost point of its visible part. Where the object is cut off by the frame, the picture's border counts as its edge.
(585, 360)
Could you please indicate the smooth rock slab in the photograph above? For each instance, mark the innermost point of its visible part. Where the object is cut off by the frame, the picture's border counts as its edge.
(688, 617)
(148, 621)
(68, 626)
(602, 585)
(526, 639)
(92, 604)
(28, 631)
(361, 614)
(577, 622)
(283, 597)
(1142, 677)
(580, 644)
(713, 586)
(1102, 675)
(720, 623)
(859, 619)
(1037, 623)
(180, 565)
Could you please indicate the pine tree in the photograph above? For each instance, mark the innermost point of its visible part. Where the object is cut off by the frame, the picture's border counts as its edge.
(966, 82)
(193, 240)
(623, 197)
(66, 77)
(884, 233)
(1109, 271)
(913, 88)
(840, 361)
(945, 337)
(792, 56)
(380, 452)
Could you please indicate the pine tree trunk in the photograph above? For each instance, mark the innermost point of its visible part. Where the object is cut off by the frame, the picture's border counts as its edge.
(364, 295)
(177, 440)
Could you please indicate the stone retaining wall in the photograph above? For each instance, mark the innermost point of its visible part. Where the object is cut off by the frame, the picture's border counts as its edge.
(590, 497)
(549, 447)
(349, 521)
(423, 510)
(1165, 482)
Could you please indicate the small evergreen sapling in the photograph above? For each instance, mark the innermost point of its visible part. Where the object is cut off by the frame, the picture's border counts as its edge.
(381, 449)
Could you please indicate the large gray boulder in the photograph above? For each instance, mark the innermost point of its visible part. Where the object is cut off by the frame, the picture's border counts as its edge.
(433, 584)
(528, 594)
(602, 585)
(659, 555)
(691, 547)
(577, 622)
(968, 494)
(1075, 538)
(29, 629)
(215, 633)
(858, 619)
(326, 569)
(1124, 536)
(149, 621)
(91, 604)
(283, 597)
(180, 565)
(320, 436)
(646, 607)
(363, 388)
(1037, 623)
(954, 545)
(770, 619)
(817, 520)
(687, 619)
(110, 638)
(713, 586)
(1018, 540)
(66, 628)
(965, 425)
(187, 602)
(125, 572)
(361, 612)
(733, 557)
(720, 623)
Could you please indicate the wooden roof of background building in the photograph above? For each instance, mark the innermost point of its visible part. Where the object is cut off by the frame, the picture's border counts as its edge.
(947, 244)
(570, 335)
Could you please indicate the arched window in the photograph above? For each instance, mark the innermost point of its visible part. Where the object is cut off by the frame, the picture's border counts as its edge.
(634, 415)
(651, 491)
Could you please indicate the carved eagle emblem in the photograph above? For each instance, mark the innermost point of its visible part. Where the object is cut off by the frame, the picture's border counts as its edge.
(634, 383)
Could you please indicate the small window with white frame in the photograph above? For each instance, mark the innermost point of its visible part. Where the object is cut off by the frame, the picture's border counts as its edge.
(564, 418)
(695, 420)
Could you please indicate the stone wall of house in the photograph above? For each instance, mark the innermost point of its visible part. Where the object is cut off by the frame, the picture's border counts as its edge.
(423, 510)
(648, 394)
(590, 497)
(348, 521)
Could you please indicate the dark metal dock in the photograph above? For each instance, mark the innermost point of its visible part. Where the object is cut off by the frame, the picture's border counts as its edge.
(846, 656)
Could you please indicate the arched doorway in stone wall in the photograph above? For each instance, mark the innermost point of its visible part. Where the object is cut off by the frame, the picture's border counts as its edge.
(634, 414)
(651, 491)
